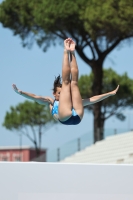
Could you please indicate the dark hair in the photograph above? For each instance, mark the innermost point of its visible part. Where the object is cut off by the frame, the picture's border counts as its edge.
(57, 83)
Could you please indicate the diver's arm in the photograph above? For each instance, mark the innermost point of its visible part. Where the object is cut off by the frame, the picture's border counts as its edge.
(39, 99)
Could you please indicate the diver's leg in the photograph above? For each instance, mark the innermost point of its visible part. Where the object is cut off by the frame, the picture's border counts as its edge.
(75, 93)
(65, 102)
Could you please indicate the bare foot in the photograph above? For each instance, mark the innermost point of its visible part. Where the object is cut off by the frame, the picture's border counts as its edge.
(67, 44)
(114, 91)
(16, 89)
(72, 45)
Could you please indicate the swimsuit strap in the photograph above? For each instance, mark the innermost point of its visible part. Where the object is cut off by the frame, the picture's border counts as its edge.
(54, 101)
(52, 104)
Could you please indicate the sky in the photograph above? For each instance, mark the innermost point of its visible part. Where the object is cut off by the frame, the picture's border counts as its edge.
(33, 71)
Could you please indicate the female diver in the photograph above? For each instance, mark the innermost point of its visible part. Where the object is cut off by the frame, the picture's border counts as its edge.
(67, 106)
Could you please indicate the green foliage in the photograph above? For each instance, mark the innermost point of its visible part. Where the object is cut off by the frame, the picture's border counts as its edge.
(108, 18)
(113, 105)
(27, 114)
(82, 20)
(29, 117)
(97, 26)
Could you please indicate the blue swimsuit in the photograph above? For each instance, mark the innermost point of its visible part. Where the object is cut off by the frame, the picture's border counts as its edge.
(73, 120)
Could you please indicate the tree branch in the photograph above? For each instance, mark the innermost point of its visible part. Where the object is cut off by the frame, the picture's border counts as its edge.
(96, 48)
(79, 49)
(111, 47)
(88, 43)
(83, 56)
(114, 111)
(34, 134)
(26, 134)
(62, 35)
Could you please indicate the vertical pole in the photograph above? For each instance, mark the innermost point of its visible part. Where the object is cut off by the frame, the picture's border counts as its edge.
(129, 121)
(58, 154)
(115, 131)
(79, 144)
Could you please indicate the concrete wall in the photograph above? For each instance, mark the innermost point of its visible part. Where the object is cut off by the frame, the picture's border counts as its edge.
(56, 181)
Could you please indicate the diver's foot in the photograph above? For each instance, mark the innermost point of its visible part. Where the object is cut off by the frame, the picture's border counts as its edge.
(72, 46)
(67, 44)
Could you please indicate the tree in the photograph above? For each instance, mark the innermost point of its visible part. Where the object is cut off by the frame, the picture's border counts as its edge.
(97, 27)
(29, 116)
(112, 106)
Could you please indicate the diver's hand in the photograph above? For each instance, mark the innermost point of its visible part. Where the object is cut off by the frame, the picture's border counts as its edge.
(16, 89)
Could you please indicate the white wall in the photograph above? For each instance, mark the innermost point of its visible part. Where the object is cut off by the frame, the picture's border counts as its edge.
(56, 181)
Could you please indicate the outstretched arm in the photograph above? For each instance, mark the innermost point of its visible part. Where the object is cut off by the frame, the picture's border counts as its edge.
(38, 99)
(98, 98)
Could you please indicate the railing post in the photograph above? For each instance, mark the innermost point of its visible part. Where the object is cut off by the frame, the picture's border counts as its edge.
(58, 154)
(79, 144)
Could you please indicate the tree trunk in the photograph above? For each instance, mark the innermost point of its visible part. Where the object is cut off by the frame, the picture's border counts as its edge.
(102, 126)
(98, 129)
(37, 149)
(98, 132)
(97, 90)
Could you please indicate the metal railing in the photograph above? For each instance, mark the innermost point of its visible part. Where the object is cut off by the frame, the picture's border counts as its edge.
(78, 144)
